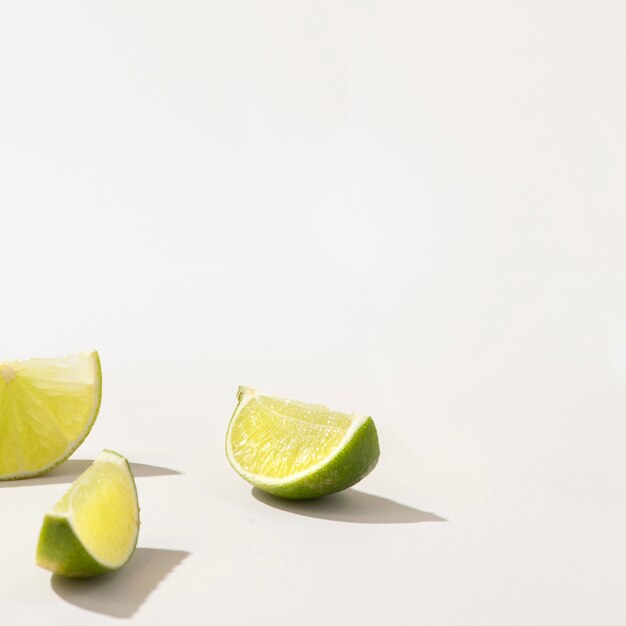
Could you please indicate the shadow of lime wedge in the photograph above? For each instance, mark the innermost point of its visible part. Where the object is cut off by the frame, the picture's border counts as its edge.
(120, 594)
(350, 505)
(71, 469)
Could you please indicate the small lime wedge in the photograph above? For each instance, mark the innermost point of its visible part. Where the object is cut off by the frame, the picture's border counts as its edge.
(296, 450)
(93, 528)
(47, 408)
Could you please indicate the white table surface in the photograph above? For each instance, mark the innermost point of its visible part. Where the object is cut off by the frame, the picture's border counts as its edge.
(411, 210)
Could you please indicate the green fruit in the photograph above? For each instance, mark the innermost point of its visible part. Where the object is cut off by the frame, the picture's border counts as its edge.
(93, 528)
(296, 450)
(47, 408)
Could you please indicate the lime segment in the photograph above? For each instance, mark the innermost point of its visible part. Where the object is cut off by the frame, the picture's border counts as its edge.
(298, 450)
(93, 528)
(47, 408)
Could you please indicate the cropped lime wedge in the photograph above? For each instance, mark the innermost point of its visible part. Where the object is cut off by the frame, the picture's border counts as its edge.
(93, 528)
(296, 450)
(47, 408)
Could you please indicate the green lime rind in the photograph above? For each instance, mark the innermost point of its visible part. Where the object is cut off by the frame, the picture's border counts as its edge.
(60, 551)
(78, 442)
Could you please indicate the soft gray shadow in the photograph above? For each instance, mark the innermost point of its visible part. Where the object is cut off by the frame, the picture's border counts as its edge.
(351, 506)
(120, 594)
(71, 469)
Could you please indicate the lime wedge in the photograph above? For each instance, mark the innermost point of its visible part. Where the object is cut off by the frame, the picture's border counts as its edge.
(296, 450)
(47, 408)
(93, 528)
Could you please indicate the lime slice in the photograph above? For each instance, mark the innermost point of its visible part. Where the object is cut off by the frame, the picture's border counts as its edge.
(47, 408)
(296, 450)
(93, 528)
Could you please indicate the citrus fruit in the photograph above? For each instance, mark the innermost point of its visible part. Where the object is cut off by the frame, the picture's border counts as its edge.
(296, 450)
(47, 408)
(93, 528)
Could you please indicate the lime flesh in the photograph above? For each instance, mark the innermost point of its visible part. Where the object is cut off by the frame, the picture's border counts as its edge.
(297, 450)
(93, 528)
(47, 408)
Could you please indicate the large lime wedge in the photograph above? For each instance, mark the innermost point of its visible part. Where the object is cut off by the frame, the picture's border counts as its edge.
(297, 450)
(93, 528)
(47, 408)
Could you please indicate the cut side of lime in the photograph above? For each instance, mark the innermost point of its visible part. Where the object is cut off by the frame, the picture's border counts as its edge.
(93, 528)
(47, 408)
(296, 450)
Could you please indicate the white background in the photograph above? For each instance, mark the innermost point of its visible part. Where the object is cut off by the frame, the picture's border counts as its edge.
(414, 210)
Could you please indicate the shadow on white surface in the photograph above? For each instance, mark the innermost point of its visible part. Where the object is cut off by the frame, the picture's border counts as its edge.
(69, 471)
(351, 506)
(120, 594)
